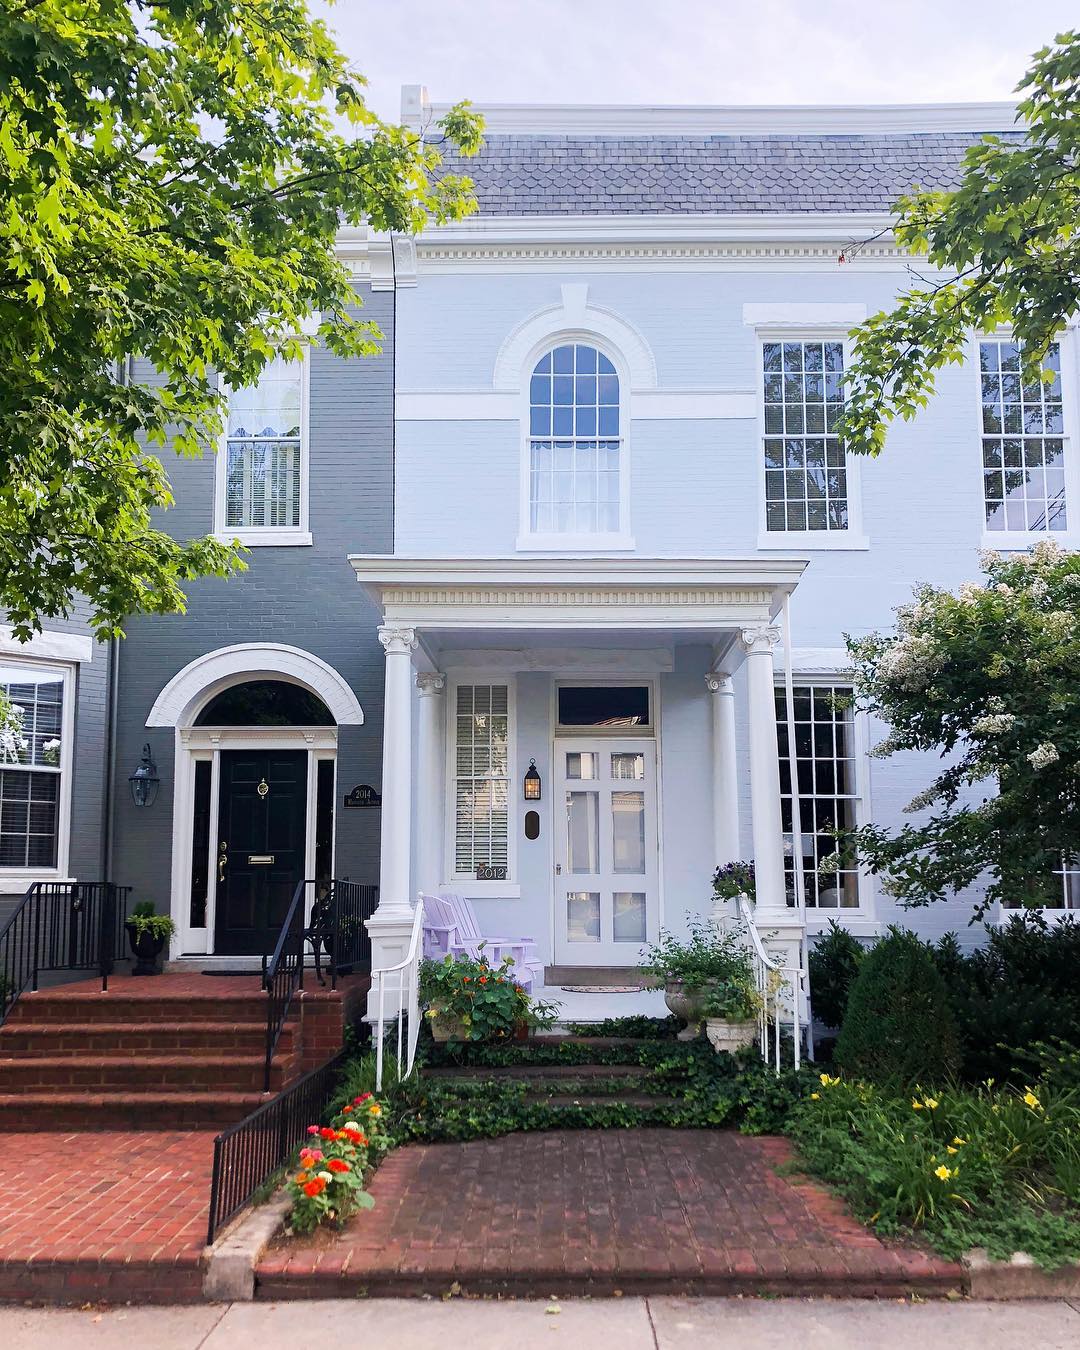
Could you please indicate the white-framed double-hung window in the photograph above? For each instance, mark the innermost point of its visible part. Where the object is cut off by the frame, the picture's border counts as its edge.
(262, 481)
(828, 765)
(1028, 463)
(36, 728)
(810, 495)
(575, 488)
(480, 770)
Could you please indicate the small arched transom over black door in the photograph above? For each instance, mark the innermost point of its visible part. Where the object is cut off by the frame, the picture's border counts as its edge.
(261, 846)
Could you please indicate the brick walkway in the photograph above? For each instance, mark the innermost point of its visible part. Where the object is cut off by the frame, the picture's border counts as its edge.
(573, 1212)
(103, 1216)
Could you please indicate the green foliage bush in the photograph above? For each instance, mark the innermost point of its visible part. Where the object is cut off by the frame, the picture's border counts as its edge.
(994, 1167)
(1020, 988)
(834, 962)
(899, 1027)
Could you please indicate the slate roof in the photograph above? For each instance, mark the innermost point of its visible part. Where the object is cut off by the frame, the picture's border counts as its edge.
(521, 175)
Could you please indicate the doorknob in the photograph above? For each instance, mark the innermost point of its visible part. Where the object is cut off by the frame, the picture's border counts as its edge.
(558, 869)
(223, 858)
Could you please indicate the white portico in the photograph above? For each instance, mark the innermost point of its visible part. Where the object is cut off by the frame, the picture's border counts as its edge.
(641, 691)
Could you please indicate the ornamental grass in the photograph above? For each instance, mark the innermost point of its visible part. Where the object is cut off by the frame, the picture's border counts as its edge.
(994, 1167)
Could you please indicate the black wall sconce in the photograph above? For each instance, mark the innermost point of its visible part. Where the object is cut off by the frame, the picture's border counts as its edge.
(531, 785)
(145, 781)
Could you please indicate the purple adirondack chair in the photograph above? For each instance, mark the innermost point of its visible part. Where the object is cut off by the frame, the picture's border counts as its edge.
(451, 929)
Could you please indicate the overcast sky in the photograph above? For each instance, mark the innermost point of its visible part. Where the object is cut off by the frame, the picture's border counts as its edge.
(694, 51)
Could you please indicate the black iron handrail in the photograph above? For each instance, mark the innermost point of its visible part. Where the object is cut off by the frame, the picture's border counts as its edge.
(283, 973)
(248, 1153)
(61, 926)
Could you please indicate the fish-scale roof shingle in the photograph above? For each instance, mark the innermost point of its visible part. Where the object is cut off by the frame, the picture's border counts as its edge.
(516, 175)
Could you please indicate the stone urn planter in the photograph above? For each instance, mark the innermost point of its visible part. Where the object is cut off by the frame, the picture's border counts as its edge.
(729, 1037)
(687, 1003)
(146, 947)
(447, 1028)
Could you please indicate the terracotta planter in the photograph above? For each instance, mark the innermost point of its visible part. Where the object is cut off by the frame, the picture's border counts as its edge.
(445, 1028)
(687, 1004)
(728, 1037)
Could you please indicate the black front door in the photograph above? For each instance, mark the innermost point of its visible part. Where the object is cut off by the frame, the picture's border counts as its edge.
(261, 838)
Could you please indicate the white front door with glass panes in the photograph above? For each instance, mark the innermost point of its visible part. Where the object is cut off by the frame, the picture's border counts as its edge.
(605, 851)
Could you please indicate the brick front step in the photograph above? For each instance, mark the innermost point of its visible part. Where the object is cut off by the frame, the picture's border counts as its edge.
(139, 1073)
(53, 1039)
(76, 1283)
(117, 1005)
(77, 1110)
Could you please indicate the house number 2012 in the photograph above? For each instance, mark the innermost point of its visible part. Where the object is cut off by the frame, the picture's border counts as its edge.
(491, 873)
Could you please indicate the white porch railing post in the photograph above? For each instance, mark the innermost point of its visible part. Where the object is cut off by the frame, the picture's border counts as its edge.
(391, 924)
(402, 978)
(725, 779)
(430, 780)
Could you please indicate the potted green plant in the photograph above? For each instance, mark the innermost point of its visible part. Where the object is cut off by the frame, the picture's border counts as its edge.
(469, 999)
(691, 969)
(148, 933)
(731, 1011)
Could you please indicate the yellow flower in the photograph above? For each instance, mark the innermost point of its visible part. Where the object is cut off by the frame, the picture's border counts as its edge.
(1031, 1100)
(942, 1173)
(375, 1109)
(930, 1103)
(824, 1080)
(916, 1105)
(958, 1141)
(949, 1149)
(815, 1096)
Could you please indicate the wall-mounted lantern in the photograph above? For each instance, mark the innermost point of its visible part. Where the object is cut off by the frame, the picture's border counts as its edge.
(145, 781)
(531, 786)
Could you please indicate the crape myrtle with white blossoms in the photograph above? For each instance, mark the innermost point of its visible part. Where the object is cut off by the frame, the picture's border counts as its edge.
(987, 677)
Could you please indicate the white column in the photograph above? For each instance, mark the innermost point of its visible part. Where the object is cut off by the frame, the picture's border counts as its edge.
(758, 643)
(390, 926)
(431, 789)
(726, 846)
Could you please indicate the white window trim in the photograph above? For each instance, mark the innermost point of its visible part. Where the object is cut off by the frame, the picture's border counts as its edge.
(14, 879)
(860, 920)
(529, 541)
(268, 536)
(1008, 541)
(463, 883)
(851, 539)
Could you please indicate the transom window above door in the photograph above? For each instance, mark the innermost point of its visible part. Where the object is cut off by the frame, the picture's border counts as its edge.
(576, 479)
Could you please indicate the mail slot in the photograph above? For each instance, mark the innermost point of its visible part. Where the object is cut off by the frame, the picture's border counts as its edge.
(261, 859)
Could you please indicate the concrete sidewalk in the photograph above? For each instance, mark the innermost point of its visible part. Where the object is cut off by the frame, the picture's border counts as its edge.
(611, 1324)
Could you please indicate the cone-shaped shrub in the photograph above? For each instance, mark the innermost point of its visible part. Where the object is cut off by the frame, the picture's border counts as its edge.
(899, 1028)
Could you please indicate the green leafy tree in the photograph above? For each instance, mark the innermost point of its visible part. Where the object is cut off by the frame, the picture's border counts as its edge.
(988, 679)
(1006, 250)
(172, 178)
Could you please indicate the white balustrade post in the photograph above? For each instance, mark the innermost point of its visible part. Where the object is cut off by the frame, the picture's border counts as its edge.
(390, 926)
(431, 792)
(725, 780)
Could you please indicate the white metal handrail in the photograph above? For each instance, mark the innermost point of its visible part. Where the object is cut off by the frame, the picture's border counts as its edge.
(774, 981)
(408, 1002)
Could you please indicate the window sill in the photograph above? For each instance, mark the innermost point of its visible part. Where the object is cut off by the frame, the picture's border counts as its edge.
(574, 543)
(814, 540)
(856, 922)
(16, 883)
(1007, 542)
(268, 538)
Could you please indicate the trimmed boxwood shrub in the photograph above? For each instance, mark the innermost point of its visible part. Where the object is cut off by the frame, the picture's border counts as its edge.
(899, 1028)
(834, 962)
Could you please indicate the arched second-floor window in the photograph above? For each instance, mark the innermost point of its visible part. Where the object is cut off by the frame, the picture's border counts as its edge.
(575, 443)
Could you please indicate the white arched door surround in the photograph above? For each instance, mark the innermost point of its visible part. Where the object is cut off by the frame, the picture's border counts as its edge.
(178, 706)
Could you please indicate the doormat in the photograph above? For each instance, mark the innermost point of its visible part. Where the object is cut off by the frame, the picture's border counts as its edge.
(602, 988)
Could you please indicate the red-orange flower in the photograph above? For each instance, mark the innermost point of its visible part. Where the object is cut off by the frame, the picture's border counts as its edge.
(328, 1133)
(483, 979)
(338, 1165)
(314, 1188)
(302, 1177)
(364, 1096)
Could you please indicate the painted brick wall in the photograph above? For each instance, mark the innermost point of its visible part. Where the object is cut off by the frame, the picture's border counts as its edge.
(305, 597)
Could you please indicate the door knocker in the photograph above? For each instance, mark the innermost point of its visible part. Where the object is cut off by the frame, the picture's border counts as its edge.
(263, 789)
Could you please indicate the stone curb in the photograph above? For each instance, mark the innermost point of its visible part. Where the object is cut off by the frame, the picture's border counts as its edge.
(1019, 1277)
(230, 1263)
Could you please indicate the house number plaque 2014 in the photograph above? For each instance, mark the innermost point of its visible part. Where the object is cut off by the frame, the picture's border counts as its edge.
(491, 873)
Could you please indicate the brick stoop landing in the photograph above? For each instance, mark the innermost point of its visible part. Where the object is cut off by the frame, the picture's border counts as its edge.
(600, 1212)
(172, 1052)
